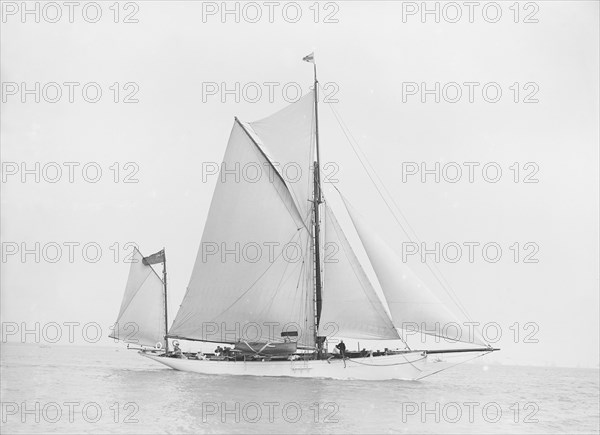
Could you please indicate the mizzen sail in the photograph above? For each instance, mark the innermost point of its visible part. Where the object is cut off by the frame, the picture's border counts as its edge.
(141, 317)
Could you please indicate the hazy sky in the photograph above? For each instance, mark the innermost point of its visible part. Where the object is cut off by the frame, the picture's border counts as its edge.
(173, 51)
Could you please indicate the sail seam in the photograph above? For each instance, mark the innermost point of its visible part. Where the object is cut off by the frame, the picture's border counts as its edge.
(282, 280)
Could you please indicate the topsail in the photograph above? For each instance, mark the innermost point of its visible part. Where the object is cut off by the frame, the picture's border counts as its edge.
(287, 138)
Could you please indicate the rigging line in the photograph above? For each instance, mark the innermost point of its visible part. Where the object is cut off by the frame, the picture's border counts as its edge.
(387, 365)
(445, 285)
(309, 277)
(364, 159)
(309, 296)
(298, 286)
(436, 273)
(301, 274)
(453, 357)
(453, 365)
(411, 363)
(187, 317)
(191, 315)
(281, 282)
(255, 281)
(303, 278)
(304, 269)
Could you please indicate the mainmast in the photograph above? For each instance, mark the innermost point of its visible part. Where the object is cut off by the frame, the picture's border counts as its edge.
(317, 200)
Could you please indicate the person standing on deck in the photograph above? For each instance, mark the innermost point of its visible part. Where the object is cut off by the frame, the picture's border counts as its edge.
(342, 348)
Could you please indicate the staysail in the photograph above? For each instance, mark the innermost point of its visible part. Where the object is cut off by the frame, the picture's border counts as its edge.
(351, 308)
(141, 317)
(413, 306)
(252, 278)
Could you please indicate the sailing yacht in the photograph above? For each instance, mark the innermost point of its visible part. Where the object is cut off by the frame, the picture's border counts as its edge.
(278, 278)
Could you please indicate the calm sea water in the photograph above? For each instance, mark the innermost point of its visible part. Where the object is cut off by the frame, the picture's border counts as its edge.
(74, 389)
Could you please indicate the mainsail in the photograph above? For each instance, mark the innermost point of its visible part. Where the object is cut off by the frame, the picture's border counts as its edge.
(351, 308)
(141, 317)
(412, 305)
(253, 276)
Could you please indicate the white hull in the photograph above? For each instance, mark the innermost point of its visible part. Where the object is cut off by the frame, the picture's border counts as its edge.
(406, 366)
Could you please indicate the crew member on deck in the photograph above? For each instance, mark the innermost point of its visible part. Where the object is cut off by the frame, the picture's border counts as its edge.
(342, 347)
(177, 353)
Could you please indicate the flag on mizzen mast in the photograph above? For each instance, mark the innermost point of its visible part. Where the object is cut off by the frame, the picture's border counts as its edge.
(158, 257)
(309, 58)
